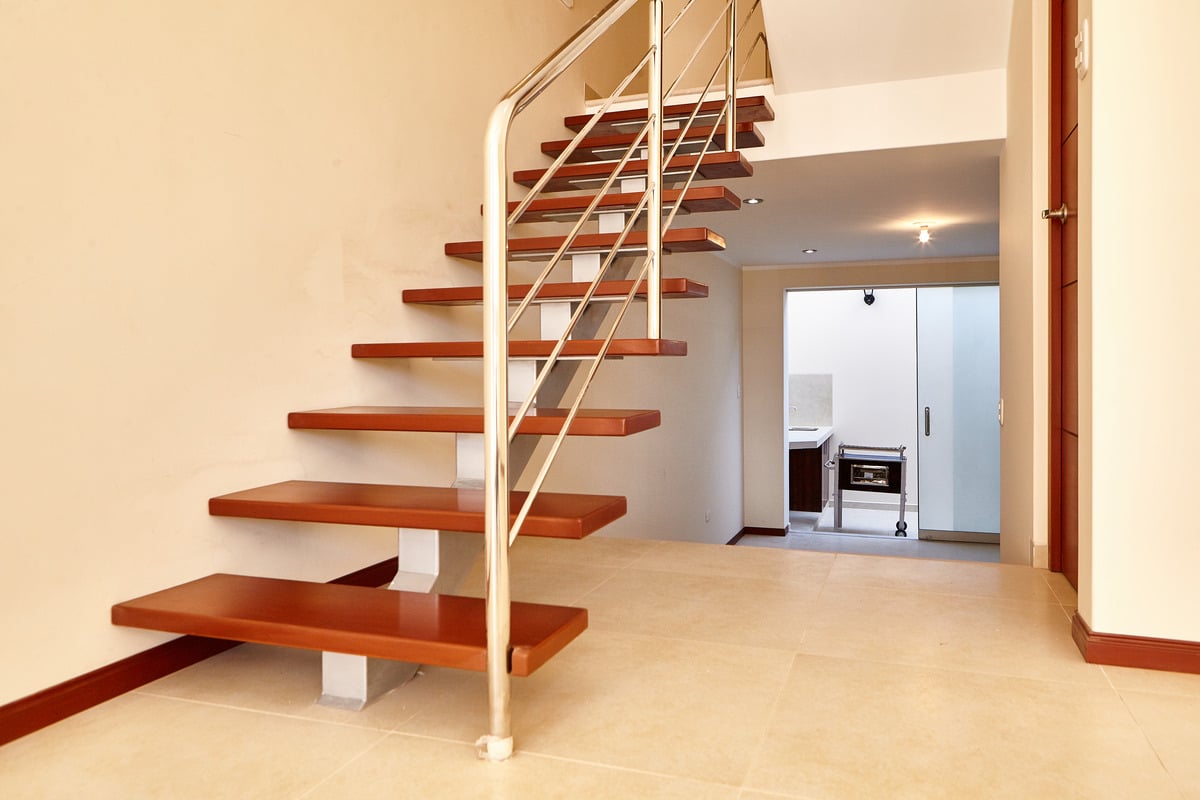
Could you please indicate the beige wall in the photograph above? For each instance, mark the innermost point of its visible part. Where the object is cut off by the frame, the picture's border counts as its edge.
(1138, 258)
(691, 466)
(204, 205)
(1024, 289)
(764, 366)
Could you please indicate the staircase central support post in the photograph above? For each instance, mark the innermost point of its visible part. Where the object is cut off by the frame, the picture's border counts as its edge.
(497, 745)
(654, 173)
(731, 32)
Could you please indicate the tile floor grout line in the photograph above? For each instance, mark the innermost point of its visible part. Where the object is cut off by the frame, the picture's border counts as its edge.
(344, 766)
(1145, 735)
(908, 590)
(956, 670)
(261, 711)
(771, 716)
(562, 759)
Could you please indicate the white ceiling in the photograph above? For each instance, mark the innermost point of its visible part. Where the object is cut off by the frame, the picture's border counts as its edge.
(860, 206)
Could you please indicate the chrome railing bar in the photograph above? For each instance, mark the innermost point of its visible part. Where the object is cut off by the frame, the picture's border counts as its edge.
(654, 173)
(696, 111)
(570, 239)
(699, 47)
(543, 75)
(731, 79)
(750, 53)
(536, 487)
(548, 175)
(497, 744)
(749, 14)
(559, 345)
(695, 168)
(678, 18)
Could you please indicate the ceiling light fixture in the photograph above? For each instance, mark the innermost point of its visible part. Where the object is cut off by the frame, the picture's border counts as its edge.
(808, 251)
(752, 201)
(923, 236)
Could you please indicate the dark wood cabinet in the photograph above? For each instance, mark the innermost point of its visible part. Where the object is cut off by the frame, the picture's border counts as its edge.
(808, 480)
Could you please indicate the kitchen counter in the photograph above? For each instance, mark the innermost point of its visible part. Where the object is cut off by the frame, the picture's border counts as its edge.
(808, 439)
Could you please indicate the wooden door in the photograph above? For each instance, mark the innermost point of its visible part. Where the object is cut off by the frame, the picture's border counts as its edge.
(1064, 292)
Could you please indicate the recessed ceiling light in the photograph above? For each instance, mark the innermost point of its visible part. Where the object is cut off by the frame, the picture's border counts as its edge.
(923, 236)
(808, 251)
(752, 201)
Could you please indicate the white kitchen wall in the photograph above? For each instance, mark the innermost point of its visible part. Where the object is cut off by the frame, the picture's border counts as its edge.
(871, 353)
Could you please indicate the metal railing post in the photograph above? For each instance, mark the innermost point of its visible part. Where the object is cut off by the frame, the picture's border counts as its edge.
(654, 175)
(731, 79)
(497, 745)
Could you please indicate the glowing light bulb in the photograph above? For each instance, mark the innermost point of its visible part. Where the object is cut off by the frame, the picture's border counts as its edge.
(923, 236)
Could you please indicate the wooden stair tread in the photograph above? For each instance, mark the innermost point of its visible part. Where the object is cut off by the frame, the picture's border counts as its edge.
(612, 146)
(697, 199)
(520, 349)
(749, 109)
(554, 515)
(713, 166)
(540, 421)
(672, 288)
(442, 630)
(535, 248)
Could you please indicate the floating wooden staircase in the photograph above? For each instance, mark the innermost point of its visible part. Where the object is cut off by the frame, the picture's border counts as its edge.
(444, 629)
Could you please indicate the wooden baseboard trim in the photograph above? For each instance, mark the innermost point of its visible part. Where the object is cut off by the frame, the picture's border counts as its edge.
(759, 532)
(22, 717)
(1144, 652)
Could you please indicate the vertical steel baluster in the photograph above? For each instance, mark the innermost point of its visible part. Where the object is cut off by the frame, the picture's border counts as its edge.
(731, 79)
(654, 175)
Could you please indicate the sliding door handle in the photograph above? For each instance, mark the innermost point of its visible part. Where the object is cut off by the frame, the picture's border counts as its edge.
(926, 420)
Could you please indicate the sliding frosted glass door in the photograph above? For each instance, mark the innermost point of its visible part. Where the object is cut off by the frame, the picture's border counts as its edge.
(958, 387)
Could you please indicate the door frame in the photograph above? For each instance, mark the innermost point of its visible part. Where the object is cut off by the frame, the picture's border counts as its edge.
(1055, 199)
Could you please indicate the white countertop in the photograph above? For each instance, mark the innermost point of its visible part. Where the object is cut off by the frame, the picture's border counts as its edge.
(808, 439)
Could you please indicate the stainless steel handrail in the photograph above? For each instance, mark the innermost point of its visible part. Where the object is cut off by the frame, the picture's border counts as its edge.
(498, 430)
(722, 16)
(497, 744)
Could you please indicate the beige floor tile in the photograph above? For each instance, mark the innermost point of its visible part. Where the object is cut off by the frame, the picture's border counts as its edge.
(1154, 680)
(949, 577)
(277, 680)
(412, 767)
(847, 729)
(664, 706)
(796, 566)
(537, 580)
(1172, 724)
(596, 551)
(980, 634)
(147, 748)
(740, 611)
(1062, 588)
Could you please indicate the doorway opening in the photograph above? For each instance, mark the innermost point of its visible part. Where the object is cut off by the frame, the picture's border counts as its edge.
(906, 381)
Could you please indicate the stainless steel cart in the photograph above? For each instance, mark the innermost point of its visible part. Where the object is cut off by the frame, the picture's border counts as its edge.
(859, 472)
